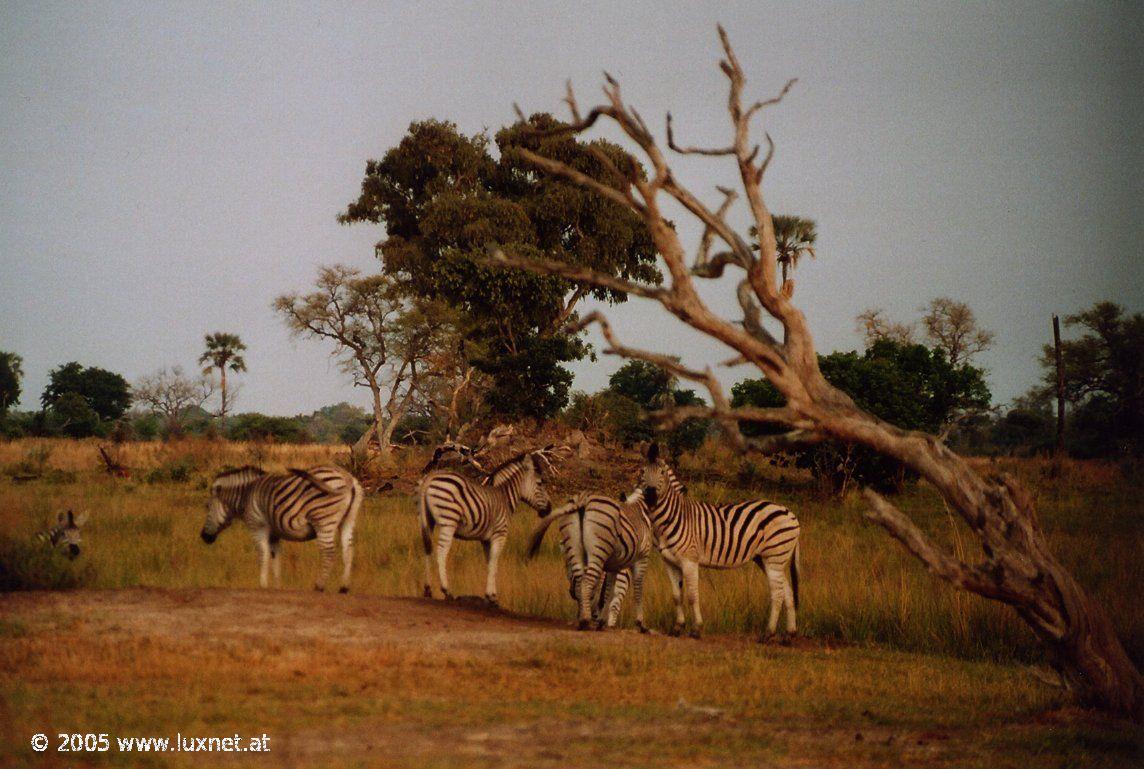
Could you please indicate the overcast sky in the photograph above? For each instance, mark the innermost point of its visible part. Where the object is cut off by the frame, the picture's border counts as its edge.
(167, 170)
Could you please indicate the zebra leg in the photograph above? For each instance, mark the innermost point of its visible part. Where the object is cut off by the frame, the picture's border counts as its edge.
(493, 552)
(620, 584)
(326, 549)
(347, 537)
(590, 588)
(691, 587)
(444, 542)
(776, 576)
(639, 571)
(262, 543)
(788, 602)
(276, 562)
(675, 577)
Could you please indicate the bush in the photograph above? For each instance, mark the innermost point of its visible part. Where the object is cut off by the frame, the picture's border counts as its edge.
(178, 470)
(34, 565)
(255, 427)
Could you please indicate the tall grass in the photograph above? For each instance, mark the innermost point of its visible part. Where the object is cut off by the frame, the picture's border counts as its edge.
(858, 586)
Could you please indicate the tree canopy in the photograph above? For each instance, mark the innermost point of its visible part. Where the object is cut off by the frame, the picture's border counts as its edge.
(1104, 380)
(107, 393)
(444, 198)
(11, 372)
(909, 385)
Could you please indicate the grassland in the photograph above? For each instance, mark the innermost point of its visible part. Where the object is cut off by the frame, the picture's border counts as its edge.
(893, 655)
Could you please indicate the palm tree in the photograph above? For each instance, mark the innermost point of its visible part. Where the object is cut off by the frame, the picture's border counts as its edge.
(795, 238)
(223, 352)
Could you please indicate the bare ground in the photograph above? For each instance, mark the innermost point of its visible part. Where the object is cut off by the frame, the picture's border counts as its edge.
(367, 680)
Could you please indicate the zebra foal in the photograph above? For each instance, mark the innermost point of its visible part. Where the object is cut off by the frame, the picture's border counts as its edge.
(691, 534)
(459, 507)
(321, 503)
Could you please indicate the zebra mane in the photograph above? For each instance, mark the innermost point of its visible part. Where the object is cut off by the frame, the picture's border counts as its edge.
(239, 473)
(516, 458)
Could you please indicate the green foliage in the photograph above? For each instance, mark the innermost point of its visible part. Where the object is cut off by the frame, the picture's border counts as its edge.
(444, 199)
(621, 410)
(72, 415)
(107, 393)
(11, 372)
(260, 427)
(1104, 381)
(223, 351)
(908, 385)
(34, 565)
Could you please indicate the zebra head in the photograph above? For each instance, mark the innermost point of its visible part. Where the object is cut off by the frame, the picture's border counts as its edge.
(225, 502)
(655, 478)
(66, 532)
(532, 489)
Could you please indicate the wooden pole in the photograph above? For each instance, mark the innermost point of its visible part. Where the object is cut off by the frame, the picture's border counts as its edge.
(1060, 387)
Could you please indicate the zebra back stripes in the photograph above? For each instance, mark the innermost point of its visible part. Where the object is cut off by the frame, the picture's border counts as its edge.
(690, 534)
(319, 503)
(604, 542)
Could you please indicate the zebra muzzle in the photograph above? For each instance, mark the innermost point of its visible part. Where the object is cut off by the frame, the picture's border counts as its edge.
(207, 536)
(73, 551)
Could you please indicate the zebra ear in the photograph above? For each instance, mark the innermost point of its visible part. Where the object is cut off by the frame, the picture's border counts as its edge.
(60, 517)
(81, 519)
(71, 518)
(653, 452)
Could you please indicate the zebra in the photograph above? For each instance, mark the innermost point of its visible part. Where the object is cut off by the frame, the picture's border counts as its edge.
(320, 503)
(457, 506)
(606, 545)
(65, 533)
(691, 534)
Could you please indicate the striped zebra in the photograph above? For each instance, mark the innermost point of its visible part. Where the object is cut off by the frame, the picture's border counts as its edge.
(66, 533)
(462, 508)
(691, 534)
(606, 545)
(320, 503)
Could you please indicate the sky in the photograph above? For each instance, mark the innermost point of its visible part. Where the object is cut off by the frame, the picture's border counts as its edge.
(168, 169)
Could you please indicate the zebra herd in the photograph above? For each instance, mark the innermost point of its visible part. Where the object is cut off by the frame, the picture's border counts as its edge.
(606, 542)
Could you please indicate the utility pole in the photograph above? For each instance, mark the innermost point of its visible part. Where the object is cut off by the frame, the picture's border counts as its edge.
(1060, 387)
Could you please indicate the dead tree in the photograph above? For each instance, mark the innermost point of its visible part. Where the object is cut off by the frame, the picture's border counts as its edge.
(1016, 566)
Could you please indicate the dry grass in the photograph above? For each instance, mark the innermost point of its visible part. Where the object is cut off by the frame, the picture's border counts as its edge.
(862, 595)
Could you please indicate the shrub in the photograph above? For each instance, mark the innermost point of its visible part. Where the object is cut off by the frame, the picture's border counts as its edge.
(33, 565)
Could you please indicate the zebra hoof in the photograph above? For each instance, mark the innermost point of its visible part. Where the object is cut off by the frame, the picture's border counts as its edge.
(492, 601)
(427, 592)
(600, 626)
(583, 624)
(676, 631)
(343, 590)
(448, 596)
(642, 628)
(696, 634)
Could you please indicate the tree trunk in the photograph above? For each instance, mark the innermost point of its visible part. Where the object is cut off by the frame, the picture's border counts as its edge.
(1060, 387)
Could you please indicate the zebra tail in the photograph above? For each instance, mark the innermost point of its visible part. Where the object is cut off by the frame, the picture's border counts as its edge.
(794, 573)
(313, 481)
(538, 533)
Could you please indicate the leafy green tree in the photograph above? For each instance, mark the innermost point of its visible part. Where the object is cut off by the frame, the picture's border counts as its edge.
(71, 415)
(650, 388)
(443, 199)
(107, 393)
(1104, 381)
(908, 385)
(795, 237)
(223, 351)
(11, 372)
(254, 426)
